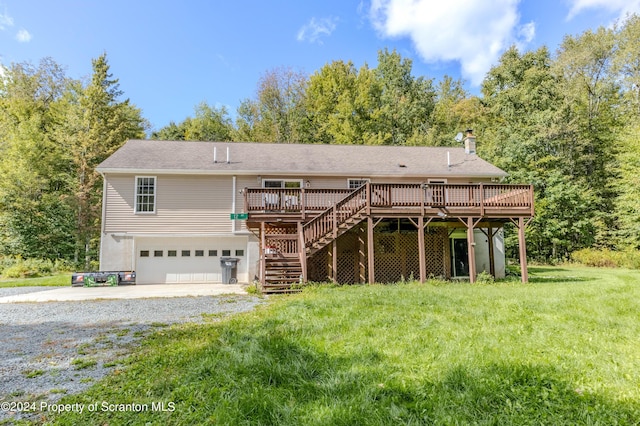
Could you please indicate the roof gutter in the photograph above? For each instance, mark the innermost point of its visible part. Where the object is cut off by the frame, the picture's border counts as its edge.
(296, 173)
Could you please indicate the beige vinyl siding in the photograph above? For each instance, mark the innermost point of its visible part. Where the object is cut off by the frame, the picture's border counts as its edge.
(184, 204)
(243, 182)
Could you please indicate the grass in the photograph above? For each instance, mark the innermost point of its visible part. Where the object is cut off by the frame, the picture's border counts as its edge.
(562, 350)
(51, 281)
(30, 374)
(83, 363)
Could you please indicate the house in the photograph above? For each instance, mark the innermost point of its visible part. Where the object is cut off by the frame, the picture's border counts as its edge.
(291, 212)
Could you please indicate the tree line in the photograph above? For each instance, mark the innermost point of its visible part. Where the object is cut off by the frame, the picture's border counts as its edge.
(54, 131)
(565, 121)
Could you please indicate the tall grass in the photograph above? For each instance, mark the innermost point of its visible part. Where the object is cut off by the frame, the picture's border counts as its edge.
(563, 349)
(50, 281)
(17, 267)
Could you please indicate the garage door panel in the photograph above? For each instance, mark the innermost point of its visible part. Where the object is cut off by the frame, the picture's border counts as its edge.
(185, 269)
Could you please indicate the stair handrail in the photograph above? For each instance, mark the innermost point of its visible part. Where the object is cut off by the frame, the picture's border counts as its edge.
(322, 224)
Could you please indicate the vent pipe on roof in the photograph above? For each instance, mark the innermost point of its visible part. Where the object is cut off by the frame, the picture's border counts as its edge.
(228, 159)
(470, 142)
(448, 160)
(215, 154)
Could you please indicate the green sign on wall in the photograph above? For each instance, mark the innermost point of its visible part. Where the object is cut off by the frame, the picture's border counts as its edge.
(239, 216)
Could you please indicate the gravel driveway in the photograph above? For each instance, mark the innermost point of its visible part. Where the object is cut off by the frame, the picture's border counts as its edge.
(49, 350)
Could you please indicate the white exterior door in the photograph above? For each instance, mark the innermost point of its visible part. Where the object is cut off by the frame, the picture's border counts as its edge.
(169, 260)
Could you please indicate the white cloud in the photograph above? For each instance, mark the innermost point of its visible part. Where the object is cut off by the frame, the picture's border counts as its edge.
(23, 36)
(527, 32)
(621, 7)
(473, 32)
(5, 21)
(317, 28)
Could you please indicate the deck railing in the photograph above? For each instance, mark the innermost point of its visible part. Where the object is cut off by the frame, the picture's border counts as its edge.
(394, 195)
(331, 218)
(292, 200)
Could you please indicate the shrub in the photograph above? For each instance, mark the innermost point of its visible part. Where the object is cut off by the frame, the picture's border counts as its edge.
(607, 258)
(485, 278)
(17, 267)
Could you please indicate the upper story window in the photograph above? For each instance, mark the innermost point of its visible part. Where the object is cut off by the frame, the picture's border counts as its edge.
(282, 183)
(145, 194)
(356, 183)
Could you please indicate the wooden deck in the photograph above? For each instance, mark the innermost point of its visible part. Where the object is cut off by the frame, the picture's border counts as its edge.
(302, 221)
(436, 200)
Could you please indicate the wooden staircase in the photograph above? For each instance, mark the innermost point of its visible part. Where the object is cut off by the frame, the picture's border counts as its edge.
(284, 261)
(283, 273)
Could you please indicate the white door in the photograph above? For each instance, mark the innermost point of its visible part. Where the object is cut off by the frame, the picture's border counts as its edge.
(187, 260)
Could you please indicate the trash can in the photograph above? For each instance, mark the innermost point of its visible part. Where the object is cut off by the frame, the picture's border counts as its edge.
(229, 269)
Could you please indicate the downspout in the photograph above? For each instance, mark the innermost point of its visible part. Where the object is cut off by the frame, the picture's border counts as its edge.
(233, 204)
(104, 214)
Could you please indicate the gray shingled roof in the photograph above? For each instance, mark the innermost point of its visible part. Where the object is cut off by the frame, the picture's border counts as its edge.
(138, 156)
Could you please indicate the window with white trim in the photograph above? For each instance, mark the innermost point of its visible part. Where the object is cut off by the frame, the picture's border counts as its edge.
(145, 194)
(356, 183)
(282, 183)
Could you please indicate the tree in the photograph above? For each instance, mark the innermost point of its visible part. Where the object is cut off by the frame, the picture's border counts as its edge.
(626, 68)
(528, 136)
(277, 113)
(96, 123)
(406, 102)
(209, 124)
(454, 111)
(341, 103)
(590, 104)
(35, 217)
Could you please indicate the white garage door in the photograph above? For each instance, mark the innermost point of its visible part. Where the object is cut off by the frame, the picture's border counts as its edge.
(187, 260)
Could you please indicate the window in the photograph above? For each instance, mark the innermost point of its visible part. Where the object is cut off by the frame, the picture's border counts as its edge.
(281, 183)
(144, 253)
(186, 253)
(172, 253)
(437, 195)
(157, 253)
(145, 194)
(239, 252)
(356, 183)
(213, 253)
(226, 252)
(199, 253)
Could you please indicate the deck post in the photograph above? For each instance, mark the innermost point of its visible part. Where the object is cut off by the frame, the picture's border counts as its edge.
(421, 250)
(361, 254)
(263, 251)
(472, 250)
(492, 260)
(334, 261)
(523, 250)
(368, 189)
(334, 246)
(302, 249)
(370, 258)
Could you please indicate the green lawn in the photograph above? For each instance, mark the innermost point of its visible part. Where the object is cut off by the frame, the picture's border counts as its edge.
(564, 349)
(55, 280)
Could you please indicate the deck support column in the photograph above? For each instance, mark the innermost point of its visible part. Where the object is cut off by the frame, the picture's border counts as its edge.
(421, 250)
(361, 255)
(334, 246)
(334, 261)
(302, 249)
(471, 249)
(492, 260)
(524, 273)
(263, 251)
(370, 258)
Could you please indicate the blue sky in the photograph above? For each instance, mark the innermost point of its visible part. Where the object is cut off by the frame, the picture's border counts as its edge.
(170, 56)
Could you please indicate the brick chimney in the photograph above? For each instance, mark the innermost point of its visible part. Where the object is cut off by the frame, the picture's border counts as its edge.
(469, 142)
